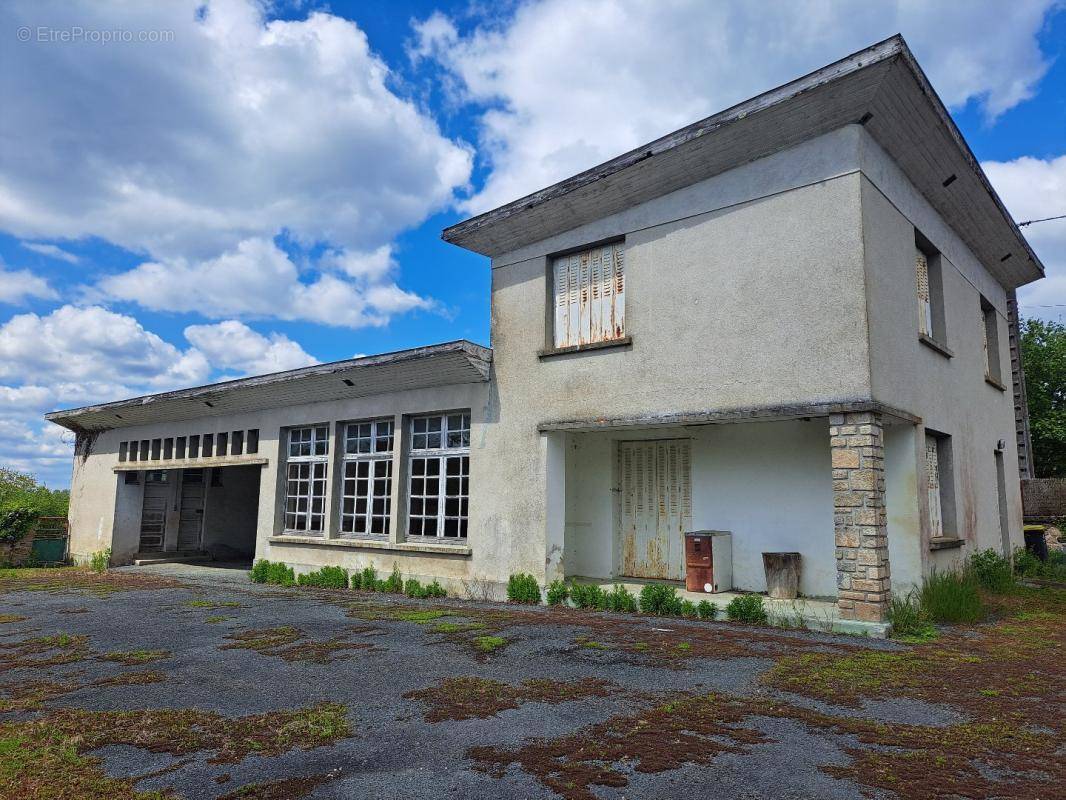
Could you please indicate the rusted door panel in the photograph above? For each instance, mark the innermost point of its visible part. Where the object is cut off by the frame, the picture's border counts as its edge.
(656, 507)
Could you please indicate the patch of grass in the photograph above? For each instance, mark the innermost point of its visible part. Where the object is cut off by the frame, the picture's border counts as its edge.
(215, 620)
(283, 789)
(489, 644)
(134, 657)
(1029, 566)
(7, 619)
(289, 644)
(523, 588)
(472, 697)
(909, 621)
(44, 651)
(420, 617)
(214, 605)
(60, 580)
(951, 597)
(747, 608)
(100, 560)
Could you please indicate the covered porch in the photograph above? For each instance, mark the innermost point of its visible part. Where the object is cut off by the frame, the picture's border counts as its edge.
(622, 495)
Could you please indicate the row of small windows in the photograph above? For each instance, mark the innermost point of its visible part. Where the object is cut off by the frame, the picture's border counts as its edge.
(438, 477)
(184, 447)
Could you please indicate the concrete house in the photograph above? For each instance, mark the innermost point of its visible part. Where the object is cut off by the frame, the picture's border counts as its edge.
(788, 321)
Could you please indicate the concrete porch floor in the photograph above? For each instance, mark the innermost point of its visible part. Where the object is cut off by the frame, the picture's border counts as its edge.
(803, 612)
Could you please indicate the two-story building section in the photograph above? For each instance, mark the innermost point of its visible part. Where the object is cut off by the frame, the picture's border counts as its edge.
(787, 321)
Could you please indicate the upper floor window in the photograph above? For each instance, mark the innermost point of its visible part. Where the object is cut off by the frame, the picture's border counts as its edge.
(439, 487)
(366, 491)
(927, 268)
(990, 336)
(589, 296)
(305, 478)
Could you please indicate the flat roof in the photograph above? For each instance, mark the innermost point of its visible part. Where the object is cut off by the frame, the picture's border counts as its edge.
(445, 364)
(882, 88)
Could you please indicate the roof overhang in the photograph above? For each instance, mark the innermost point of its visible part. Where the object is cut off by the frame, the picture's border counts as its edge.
(421, 367)
(881, 88)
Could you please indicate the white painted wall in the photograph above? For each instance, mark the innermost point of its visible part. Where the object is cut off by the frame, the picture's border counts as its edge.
(769, 483)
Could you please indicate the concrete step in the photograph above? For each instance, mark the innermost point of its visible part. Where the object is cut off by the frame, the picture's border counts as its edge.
(141, 559)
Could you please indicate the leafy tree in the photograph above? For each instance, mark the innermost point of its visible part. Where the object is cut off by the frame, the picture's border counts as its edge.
(21, 490)
(1044, 360)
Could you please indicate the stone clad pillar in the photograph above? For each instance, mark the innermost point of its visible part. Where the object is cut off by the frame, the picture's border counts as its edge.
(863, 578)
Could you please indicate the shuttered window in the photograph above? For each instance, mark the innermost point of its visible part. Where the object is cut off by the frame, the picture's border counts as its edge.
(925, 305)
(932, 478)
(590, 296)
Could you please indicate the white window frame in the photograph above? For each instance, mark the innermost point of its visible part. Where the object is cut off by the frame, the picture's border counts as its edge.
(588, 296)
(367, 446)
(438, 482)
(306, 473)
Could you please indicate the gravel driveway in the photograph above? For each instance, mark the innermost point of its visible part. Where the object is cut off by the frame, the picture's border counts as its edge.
(391, 698)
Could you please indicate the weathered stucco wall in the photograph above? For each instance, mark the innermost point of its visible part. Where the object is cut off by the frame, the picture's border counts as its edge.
(949, 394)
(745, 290)
(102, 502)
(735, 468)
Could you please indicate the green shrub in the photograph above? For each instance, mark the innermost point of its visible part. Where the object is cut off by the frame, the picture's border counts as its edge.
(688, 609)
(434, 590)
(707, 609)
(1027, 565)
(660, 599)
(16, 521)
(909, 620)
(621, 599)
(992, 571)
(325, 578)
(413, 588)
(523, 588)
(392, 584)
(558, 593)
(588, 596)
(368, 579)
(747, 608)
(259, 571)
(280, 574)
(100, 560)
(951, 597)
(355, 581)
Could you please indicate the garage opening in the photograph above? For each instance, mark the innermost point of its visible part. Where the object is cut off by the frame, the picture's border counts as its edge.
(198, 512)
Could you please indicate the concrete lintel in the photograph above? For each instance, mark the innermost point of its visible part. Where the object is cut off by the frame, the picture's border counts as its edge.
(199, 463)
(719, 417)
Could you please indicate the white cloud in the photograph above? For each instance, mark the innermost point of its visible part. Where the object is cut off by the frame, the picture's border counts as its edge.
(258, 280)
(1033, 188)
(567, 84)
(52, 251)
(18, 285)
(238, 128)
(232, 345)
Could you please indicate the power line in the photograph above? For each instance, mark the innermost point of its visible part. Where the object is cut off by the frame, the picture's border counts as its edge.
(1045, 219)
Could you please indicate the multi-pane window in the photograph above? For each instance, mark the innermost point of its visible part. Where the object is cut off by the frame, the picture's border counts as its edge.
(589, 296)
(305, 474)
(439, 488)
(367, 486)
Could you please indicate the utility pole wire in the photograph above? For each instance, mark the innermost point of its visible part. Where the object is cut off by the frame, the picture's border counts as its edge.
(1045, 219)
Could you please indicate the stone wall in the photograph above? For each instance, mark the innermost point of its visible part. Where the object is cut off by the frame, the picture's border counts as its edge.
(1044, 498)
(863, 578)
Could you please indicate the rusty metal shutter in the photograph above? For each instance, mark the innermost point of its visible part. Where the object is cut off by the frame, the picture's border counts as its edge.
(925, 307)
(932, 478)
(656, 507)
(589, 296)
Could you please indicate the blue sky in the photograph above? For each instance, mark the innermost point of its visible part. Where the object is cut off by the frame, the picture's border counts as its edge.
(198, 190)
